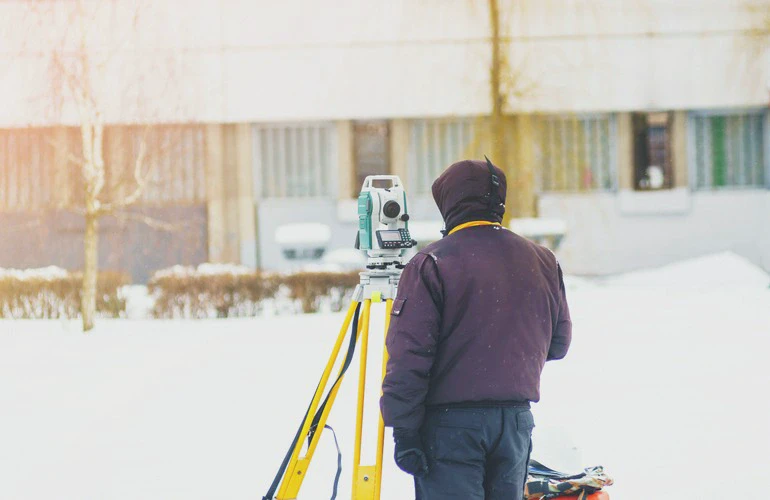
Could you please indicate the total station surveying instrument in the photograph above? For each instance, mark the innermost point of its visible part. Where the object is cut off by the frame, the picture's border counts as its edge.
(383, 233)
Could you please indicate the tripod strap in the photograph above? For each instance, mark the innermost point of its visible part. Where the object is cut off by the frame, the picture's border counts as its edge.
(345, 366)
(311, 432)
(339, 464)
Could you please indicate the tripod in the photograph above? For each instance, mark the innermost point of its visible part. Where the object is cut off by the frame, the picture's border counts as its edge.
(378, 284)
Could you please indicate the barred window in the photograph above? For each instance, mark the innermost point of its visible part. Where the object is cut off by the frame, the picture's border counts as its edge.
(41, 168)
(433, 146)
(26, 163)
(728, 149)
(36, 168)
(575, 153)
(294, 160)
(173, 168)
(371, 145)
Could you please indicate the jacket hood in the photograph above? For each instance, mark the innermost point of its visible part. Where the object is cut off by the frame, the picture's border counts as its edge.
(462, 193)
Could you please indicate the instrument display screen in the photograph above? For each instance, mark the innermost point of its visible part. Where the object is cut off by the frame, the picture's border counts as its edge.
(390, 235)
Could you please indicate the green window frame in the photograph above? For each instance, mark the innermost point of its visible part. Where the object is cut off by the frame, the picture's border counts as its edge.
(728, 149)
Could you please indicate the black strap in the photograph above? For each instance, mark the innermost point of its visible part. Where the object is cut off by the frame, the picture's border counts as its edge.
(339, 463)
(345, 366)
(494, 184)
(314, 425)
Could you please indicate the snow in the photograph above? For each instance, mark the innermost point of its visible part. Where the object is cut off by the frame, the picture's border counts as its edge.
(345, 258)
(664, 385)
(139, 302)
(310, 234)
(714, 270)
(425, 231)
(47, 273)
(536, 227)
(206, 269)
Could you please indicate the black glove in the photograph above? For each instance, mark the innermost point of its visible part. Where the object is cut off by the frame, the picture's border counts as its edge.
(409, 455)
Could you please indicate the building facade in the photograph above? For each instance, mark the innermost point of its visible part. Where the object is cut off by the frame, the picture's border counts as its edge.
(644, 125)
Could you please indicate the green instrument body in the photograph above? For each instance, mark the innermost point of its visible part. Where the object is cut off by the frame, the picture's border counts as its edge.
(365, 220)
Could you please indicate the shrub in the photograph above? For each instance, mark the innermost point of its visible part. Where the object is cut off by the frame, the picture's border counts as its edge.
(226, 291)
(312, 288)
(221, 291)
(109, 301)
(51, 292)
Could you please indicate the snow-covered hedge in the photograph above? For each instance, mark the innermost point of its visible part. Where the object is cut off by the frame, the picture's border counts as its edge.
(210, 290)
(226, 291)
(53, 292)
(313, 288)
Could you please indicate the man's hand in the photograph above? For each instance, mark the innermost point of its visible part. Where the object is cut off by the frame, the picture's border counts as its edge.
(409, 455)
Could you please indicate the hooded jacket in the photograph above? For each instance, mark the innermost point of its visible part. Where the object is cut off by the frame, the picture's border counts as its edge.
(477, 314)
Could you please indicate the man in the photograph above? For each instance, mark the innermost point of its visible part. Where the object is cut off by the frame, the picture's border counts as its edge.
(477, 315)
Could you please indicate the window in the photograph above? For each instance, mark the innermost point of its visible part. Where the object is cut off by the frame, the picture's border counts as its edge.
(372, 150)
(40, 168)
(27, 165)
(174, 163)
(433, 146)
(294, 160)
(575, 153)
(728, 149)
(653, 167)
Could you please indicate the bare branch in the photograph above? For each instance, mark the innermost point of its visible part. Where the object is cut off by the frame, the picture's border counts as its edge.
(62, 149)
(147, 220)
(98, 154)
(140, 179)
(71, 80)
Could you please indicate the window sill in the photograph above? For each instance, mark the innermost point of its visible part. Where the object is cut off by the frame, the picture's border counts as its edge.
(663, 202)
(721, 189)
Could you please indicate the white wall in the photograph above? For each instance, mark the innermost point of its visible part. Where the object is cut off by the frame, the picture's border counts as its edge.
(261, 60)
(607, 233)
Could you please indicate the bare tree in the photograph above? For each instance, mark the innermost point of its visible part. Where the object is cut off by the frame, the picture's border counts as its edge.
(79, 62)
(759, 33)
(504, 81)
(514, 138)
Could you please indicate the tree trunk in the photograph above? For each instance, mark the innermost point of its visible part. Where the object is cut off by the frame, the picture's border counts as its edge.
(90, 271)
(498, 123)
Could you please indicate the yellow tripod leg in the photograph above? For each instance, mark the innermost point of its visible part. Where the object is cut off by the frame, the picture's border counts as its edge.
(381, 425)
(367, 479)
(297, 468)
(363, 477)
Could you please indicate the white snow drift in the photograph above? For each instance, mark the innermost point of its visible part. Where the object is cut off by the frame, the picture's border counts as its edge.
(665, 386)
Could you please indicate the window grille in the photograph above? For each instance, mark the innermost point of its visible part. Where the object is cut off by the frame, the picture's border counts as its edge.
(371, 144)
(728, 149)
(27, 164)
(575, 153)
(173, 168)
(433, 146)
(294, 160)
(41, 169)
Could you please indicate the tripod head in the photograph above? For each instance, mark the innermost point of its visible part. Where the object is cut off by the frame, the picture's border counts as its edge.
(383, 222)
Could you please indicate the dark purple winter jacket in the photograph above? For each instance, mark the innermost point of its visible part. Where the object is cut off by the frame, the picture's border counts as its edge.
(477, 314)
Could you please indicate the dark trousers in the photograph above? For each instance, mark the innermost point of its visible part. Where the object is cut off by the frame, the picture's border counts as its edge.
(476, 453)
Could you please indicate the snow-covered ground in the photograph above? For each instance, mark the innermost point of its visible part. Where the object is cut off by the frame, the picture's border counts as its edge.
(666, 386)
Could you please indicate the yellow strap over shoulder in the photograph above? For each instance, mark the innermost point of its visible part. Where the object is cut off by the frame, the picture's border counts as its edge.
(474, 223)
